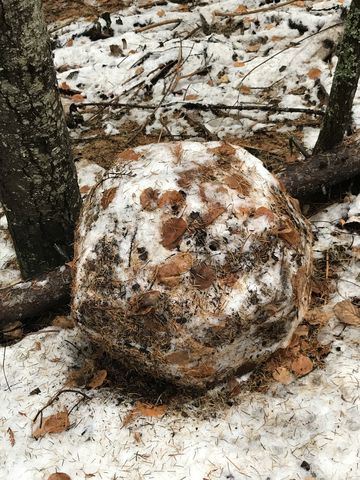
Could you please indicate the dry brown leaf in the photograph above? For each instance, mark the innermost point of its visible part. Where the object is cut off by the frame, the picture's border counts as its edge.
(180, 357)
(63, 322)
(245, 90)
(85, 189)
(317, 316)
(204, 276)
(191, 97)
(78, 98)
(64, 86)
(11, 436)
(239, 183)
(214, 211)
(172, 232)
(161, 12)
(128, 154)
(70, 42)
(224, 150)
(145, 302)
(266, 212)
(98, 379)
(139, 70)
(224, 79)
(169, 273)
(289, 234)
(314, 73)
(137, 437)
(149, 198)
(282, 375)
(239, 64)
(144, 410)
(302, 365)
(202, 371)
(241, 9)
(172, 198)
(57, 423)
(276, 38)
(108, 197)
(347, 313)
(253, 48)
(59, 476)
(302, 331)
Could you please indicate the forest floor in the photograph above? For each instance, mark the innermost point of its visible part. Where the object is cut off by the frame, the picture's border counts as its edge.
(205, 76)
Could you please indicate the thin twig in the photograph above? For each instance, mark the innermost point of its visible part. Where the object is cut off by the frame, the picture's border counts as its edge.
(256, 10)
(55, 397)
(3, 369)
(159, 24)
(294, 44)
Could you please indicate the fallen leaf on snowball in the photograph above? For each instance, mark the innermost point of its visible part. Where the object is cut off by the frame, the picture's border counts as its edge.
(347, 313)
(59, 476)
(11, 436)
(108, 197)
(282, 375)
(239, 64)
(98, 379)
(214, 211)
(137, 437)
(203, 276)
(149, 198)
(145, 302)
(302, 365)
(266, 212)
(169, 273)
(161, 13)
(172, 232)
(314, 73)
(57, 423)
(171, 197)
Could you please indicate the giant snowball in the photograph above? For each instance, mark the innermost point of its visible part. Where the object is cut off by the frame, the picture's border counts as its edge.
(192, 262)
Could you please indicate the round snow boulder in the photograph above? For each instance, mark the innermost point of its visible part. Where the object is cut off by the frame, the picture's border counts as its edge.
(192, 262)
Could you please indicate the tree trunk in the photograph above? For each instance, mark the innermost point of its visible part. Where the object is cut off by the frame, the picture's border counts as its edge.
(38, 183)
(338, 113)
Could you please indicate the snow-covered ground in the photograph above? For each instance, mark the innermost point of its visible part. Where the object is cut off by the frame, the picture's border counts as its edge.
(308, 429)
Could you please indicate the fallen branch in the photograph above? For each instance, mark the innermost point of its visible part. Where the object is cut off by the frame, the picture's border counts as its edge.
(321, 171)
(32, 298)
(209, 107)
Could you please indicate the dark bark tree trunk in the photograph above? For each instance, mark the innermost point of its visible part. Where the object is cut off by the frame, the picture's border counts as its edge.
(38, 182)
(338, 113)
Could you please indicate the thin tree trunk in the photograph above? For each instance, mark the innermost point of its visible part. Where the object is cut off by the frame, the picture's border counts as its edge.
(38, 183)
(338, 113)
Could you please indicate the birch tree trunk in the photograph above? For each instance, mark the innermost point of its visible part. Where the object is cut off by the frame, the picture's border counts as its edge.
(38, 182)
(338, 113)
